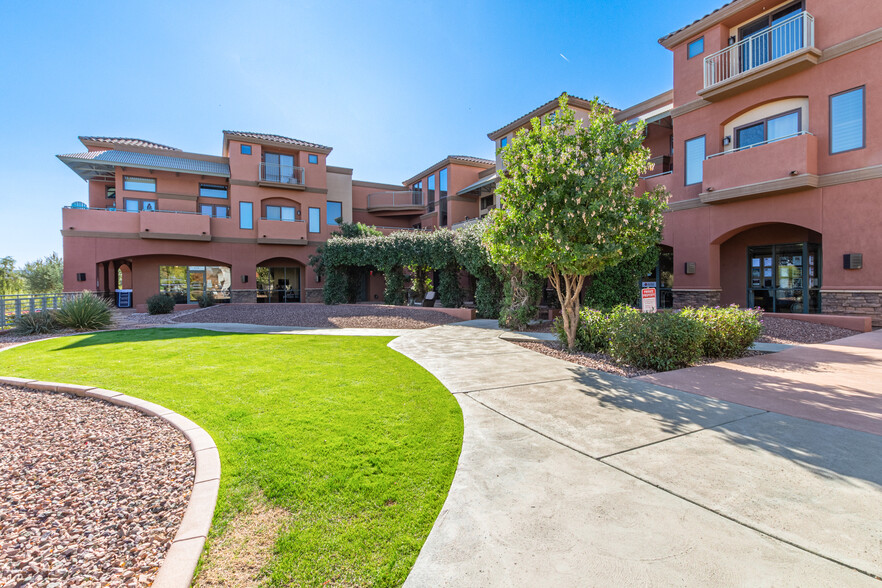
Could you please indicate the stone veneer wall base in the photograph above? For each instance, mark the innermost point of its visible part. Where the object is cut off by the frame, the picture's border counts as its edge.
(243, 296)
(853, 302)
(687, 298)
(314, 295)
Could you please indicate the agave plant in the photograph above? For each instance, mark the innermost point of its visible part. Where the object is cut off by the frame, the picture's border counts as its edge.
(85, 312)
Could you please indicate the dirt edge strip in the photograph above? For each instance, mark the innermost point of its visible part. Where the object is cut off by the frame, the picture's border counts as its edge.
(180, 561)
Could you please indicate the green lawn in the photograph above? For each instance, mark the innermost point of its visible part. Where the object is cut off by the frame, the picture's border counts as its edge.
(357, 442)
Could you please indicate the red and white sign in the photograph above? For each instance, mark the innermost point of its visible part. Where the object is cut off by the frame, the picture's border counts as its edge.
(648, 300)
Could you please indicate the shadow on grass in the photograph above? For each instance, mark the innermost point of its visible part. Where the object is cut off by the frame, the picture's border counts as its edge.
(138, 336)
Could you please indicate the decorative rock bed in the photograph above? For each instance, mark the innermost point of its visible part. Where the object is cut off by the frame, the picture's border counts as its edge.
(93, 493)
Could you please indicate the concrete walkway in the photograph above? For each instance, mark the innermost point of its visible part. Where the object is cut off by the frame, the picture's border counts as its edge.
(572, 477)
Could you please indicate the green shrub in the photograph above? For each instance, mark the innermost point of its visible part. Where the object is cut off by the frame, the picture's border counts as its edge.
(160, 304)
(729, 331)
(450, 292)
(596, 327)
(660, 341)
(85, 312)
(36, 323)
(620, 284)
(207, 299)
(394, 293)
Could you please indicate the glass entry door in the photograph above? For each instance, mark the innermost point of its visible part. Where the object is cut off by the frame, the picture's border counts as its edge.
(278, 284)
(784, 278)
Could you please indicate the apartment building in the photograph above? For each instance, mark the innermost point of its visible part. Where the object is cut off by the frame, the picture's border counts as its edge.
(778, 159)
(243, 224)
(768, 144)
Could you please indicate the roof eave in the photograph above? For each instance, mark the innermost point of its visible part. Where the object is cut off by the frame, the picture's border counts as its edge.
(294, 147)
(544, 109)
(75, 162)
(444, 162)
(716, 17)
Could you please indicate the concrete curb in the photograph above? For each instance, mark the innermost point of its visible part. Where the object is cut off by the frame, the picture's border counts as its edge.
(180, 561)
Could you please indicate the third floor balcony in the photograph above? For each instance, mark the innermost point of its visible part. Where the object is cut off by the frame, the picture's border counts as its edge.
(400, 202)
(770, 53)
(280, 175)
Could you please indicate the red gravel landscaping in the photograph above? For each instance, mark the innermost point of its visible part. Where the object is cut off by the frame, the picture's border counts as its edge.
(321, 315)
(90, 493)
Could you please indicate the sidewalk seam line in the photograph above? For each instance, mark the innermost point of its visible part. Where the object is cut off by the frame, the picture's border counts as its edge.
(671, 438)
(512, 386)
(683, 498)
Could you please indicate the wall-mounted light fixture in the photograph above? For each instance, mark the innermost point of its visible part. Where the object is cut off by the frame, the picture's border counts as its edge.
(851, 261)
(727, 140)
(244, 278)
(794, 173)
(689, 267)
(81, 277)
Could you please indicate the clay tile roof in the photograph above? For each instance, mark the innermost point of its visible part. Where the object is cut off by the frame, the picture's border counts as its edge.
(470, 159)
(275, 139)
(573, 101)
(669, 35)
(128, 141)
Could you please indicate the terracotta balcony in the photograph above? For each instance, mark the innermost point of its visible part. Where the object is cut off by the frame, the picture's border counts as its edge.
(186, 226)
(281, 232)
(779, 51)
(651, 182)
(777, 167)
(85, 222)
(396, 202)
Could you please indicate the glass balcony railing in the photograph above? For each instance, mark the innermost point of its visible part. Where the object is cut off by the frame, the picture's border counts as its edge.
(281, 174)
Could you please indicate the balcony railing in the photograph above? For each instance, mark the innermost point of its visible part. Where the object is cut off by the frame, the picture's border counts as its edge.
(395, 199)
(282, 174)
(786, 37)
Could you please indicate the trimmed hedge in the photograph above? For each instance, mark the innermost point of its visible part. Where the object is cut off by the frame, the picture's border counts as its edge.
(729, 331)
(666, 340)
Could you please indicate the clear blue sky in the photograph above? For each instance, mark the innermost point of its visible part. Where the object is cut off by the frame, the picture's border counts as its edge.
(392, 86)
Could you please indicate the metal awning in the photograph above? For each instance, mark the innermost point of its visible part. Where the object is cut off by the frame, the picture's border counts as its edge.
(480, 184)
(93, 165)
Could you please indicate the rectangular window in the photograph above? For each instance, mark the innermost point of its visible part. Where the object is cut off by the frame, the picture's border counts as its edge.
(335, 211)
(137, 204)
(139, 184)
(186, 284)
(503, 142)
(771, 129)
(696, 48)
(246, 215)
(214, 210)
(847, 121)
(212, 191)
(442, 196)
(431, 194)
(245, 149)
(110, 192)
(695, 154)
(280, 168)
(315, 220)
(284, 213)
(313, 158)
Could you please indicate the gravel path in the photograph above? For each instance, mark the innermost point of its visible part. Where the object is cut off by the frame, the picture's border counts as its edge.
(793, 332)
(321, 315)
(90, 493)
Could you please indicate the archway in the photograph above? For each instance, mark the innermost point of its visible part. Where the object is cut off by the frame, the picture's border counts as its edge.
(776, 267)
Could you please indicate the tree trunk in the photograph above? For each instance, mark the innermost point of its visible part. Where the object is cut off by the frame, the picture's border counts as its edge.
(568, 289)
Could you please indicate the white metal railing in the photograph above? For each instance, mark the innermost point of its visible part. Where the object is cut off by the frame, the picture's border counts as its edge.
(786, 37)
(13, 306)
(394, 199)
(282, 174)
(283, 220)
(775, 140)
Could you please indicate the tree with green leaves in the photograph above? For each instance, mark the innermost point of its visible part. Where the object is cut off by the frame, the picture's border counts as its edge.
(568, 207)
(10, 279)
(45, 275)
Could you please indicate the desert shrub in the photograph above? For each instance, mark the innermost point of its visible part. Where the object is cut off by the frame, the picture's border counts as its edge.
(36, 323)
(207, 299)
(160, 304)
(85, 312)
(596, 327)
(660, 341)
(729, 331)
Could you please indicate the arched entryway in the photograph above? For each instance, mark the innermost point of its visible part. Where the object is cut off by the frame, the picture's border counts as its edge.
(776, 267)
(280, 280)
